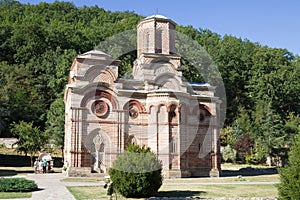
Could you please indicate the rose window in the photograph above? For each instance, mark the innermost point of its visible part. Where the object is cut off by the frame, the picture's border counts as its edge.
(100, 108)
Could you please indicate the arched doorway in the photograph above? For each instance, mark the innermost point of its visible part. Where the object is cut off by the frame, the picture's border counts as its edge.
(98, 143)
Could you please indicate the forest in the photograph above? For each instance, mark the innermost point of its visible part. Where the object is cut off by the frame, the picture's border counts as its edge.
(39, 42)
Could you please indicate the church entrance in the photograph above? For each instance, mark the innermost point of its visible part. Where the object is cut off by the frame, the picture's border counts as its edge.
(99, 154)
(98, 144)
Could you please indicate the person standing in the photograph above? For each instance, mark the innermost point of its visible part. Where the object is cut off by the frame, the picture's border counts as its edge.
(44, 166)
(36, 166)
(40, 166)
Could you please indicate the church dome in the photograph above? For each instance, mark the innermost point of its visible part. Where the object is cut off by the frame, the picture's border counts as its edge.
(157, 16)
(95, 54)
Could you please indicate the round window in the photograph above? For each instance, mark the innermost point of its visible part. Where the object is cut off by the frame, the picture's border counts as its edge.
(133, 112)
(100, 108)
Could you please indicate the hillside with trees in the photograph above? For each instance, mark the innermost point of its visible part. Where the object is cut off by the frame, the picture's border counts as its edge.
(39, 42)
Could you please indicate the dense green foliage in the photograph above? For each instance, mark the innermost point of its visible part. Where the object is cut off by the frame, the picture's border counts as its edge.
(31, 139)
(39, 42)
(17, 185)
(137, 173)
(289, 187)
(37, 46)
(55, 123)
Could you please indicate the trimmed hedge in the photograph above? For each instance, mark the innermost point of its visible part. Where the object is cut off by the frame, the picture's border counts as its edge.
(17, 185)
(136, 173)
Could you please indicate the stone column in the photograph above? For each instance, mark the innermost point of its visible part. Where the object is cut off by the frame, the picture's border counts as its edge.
(215, 170)
(152, 129)
(163, 136)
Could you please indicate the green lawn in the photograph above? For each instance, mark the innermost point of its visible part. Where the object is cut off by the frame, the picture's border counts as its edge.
(14, 195)
(82, 179)
(260, 178)
(219, 190)
(189, 190)
(226, 187)
(84, 192)
(231, 166)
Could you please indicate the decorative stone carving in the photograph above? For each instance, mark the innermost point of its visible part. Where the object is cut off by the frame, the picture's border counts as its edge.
(99, 153)
(164, 69)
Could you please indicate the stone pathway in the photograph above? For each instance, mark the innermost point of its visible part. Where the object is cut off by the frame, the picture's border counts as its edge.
(50, 187)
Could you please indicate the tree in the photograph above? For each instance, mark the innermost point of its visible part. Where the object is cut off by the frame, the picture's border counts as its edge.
(21, 98)
(291, 128)
(136, 173)
(268, 129)
(289, 187)
(56, 123)
(243, 146)
(226, 137)
(30, 139)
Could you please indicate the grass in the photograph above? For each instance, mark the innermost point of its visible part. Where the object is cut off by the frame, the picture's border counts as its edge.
(95, 193)
(14, 195)
(195, 191)
(261, 178)
(8, 151)
(83, 192)
(223, 187)
(82, 179)
(220, 190)
(13, 151)
(231, 166)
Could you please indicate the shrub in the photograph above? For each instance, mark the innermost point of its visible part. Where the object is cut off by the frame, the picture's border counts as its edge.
(17, 185)
(257, 155)
(243, 146)
(229, 154)
(136, 173)
(289, 188)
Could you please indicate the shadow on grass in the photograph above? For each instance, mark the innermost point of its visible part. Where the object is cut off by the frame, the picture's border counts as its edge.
(179, 193)
(8, 173)
(249, 171)
(4, 172)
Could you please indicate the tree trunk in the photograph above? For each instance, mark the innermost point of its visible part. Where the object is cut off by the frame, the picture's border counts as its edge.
(31, 161)
(62, 156)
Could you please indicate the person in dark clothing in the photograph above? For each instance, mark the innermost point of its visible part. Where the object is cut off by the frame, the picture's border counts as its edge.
(44, 166)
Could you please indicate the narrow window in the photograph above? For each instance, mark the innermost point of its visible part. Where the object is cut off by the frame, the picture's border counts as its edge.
(173, 145)
(158, 41)
(101, 153)
(148, 41)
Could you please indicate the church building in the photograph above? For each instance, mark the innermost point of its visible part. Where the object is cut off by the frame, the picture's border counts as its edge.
(157, 108)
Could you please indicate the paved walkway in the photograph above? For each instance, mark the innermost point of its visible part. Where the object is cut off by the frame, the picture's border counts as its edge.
(50, 187)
